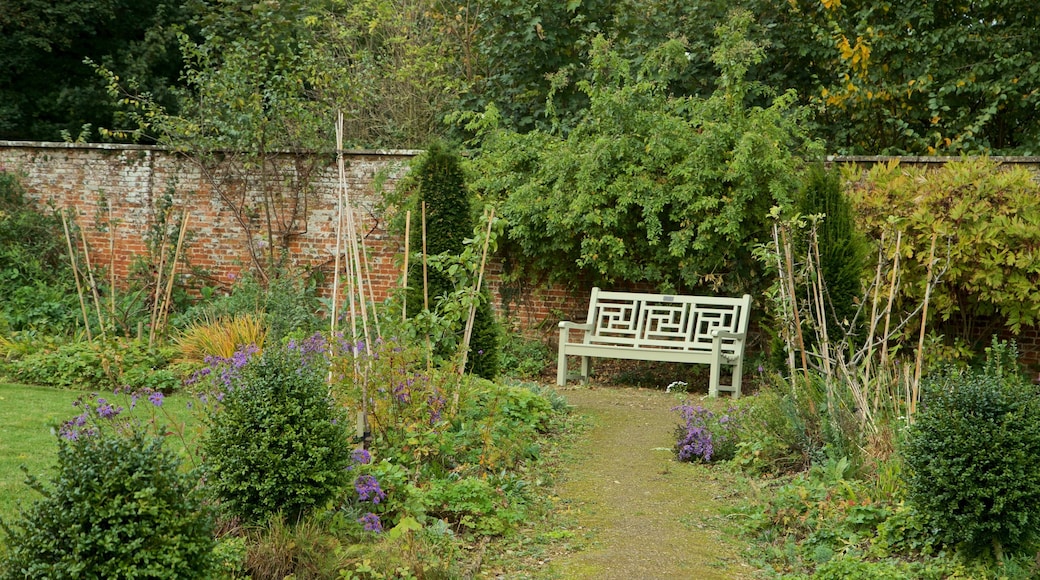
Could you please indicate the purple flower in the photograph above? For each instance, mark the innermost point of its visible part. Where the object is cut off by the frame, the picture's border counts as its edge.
(368, 489)
(156, 398)
(361, 456)
(371, 523)
(105, 410)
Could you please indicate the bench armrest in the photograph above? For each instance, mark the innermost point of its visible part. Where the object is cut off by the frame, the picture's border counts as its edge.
(728, 334)
(574, 325)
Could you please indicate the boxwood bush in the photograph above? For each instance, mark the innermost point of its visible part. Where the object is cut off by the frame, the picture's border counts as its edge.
(118, 507)
(972, 456)
(277, 443)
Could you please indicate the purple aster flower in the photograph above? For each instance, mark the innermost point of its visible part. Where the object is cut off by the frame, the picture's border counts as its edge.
(156, 398)
(371, 523)
(361, 456)
(105, 410)
(368, 489)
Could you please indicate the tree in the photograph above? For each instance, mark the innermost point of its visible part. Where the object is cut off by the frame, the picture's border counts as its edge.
(255, 87)
(47, 91)
(925, 78)
(442, 190)
(649, 187)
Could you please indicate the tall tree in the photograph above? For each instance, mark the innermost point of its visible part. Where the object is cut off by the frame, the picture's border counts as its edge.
(925, 77)
(46, 88)
(650, 187)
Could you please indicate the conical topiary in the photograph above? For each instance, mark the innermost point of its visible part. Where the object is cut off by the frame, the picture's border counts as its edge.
(449, 222)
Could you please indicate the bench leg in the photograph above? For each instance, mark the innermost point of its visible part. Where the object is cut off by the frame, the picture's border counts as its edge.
(738, 374)
(585, 365)
(561, 362)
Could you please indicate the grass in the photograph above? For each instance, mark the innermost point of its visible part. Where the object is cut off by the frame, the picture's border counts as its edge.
(28, 417)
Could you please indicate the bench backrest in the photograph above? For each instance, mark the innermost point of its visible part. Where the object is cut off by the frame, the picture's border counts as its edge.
(661, 321)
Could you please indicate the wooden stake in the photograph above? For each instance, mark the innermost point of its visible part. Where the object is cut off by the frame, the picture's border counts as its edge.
(75, 274)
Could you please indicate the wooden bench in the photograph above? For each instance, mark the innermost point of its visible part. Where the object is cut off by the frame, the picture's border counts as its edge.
(655, 327)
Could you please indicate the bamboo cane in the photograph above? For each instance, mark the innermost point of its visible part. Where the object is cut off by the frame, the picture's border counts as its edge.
(90, 279)
(891, 299)
(784, 302)
(158, 282)
(368, 284)
(468, 334)
(339, 225)
(426, 286)
(404, 273)
(112, 265)
(164, 310)
(75, 274)
(794, 305)
(915, 387)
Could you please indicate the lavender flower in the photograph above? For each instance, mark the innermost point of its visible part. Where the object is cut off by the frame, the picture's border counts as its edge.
(156, 398)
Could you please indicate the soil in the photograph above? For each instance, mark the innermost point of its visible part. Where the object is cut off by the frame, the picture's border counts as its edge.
(636, 511)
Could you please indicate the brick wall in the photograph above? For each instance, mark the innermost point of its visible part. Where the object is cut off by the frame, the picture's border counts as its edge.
(133, 180)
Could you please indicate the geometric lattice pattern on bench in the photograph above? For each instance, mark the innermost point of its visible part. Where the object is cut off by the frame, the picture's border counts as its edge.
(695, 329)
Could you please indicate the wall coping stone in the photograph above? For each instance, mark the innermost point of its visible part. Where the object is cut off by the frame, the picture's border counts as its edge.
(139, 147)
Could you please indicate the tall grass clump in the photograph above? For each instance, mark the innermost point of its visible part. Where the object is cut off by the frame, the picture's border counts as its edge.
(221, 337)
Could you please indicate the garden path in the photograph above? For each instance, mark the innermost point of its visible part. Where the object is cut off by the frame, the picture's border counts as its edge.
(642, 514)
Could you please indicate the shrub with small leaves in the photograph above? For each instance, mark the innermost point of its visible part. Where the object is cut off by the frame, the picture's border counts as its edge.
(118, 507)
(277, 442)
(972, 456)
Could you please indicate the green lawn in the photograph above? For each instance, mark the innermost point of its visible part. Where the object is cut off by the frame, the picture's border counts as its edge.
(29, 414)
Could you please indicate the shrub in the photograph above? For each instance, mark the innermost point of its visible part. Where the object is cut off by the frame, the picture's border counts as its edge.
(442, 188)
(524, 358)
(472, 505)
(987, 224)
(971, 456)
(35, 275)
(118, 507)
(842, 249)
(100, 365)
(277, 442)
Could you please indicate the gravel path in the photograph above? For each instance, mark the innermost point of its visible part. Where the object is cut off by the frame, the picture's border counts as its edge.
(644, 515)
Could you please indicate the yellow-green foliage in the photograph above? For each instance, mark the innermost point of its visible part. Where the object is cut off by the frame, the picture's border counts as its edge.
(986, 220)
(221, 337)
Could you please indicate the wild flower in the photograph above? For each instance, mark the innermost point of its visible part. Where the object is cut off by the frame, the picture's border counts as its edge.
(704, 435)
(361, 456)
(371, 523)
(368, 489)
